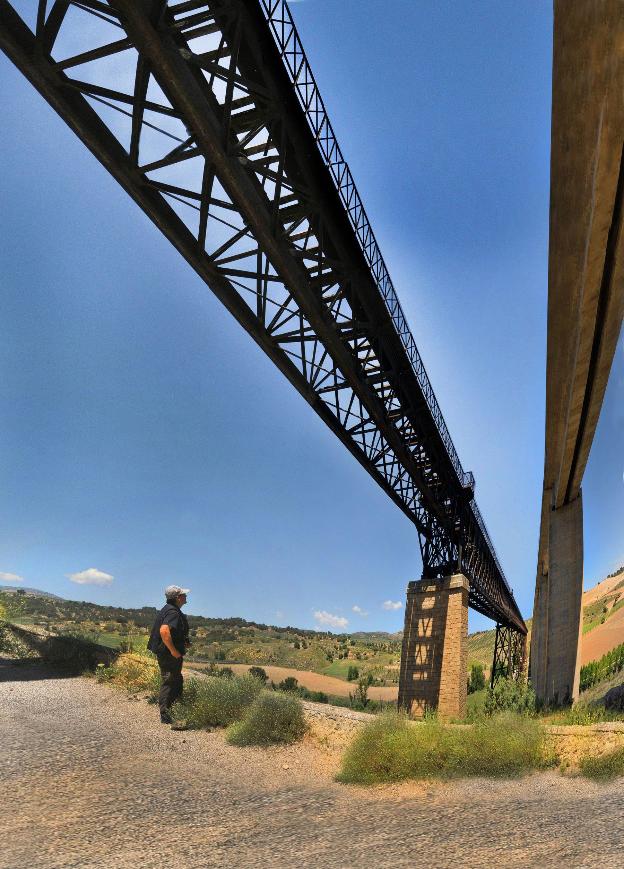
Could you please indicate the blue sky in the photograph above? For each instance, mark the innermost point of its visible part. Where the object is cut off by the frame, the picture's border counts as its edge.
(146, 437)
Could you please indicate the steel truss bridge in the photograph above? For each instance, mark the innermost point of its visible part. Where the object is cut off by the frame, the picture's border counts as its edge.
(208, 115)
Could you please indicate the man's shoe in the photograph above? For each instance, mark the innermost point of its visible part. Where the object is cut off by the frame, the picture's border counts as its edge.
(165, 718)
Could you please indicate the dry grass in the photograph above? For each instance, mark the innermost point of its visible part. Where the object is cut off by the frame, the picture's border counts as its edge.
(391, 749)
(604, 767)
(132, 672)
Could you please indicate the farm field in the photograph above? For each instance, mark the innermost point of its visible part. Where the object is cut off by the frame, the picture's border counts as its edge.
(311, 681)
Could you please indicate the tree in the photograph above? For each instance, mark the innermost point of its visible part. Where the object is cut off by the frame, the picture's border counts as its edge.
(360, 697)
(289, 684)
(352, 673)
(476, 682)
(258, 673)
(11, 606)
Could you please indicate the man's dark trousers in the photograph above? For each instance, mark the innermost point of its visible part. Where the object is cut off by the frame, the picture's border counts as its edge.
(172, 683)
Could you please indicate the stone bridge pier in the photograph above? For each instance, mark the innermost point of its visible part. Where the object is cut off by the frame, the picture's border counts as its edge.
(434, 657)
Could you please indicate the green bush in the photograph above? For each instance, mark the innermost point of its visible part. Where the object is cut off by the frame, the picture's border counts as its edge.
(509, 695)
(352, 674)
(359, 698)
(272, 718)
(216, 702)
(392, 749)
(604, 767)
(314, 696)
(289, 684)
(476, 682)
(258, 673)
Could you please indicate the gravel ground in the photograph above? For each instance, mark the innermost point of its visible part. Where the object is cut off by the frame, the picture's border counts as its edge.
(92, 779)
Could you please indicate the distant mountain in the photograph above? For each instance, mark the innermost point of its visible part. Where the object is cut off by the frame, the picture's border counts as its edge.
(31, 592)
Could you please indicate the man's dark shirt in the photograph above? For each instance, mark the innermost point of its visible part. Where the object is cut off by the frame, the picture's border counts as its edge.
(173, 616)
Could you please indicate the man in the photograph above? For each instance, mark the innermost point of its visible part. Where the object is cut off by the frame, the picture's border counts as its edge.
(168, 641)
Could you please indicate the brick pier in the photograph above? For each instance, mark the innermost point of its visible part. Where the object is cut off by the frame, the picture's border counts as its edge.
(434, 657)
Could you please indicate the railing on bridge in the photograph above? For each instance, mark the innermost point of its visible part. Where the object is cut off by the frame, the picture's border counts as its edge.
(291, 50)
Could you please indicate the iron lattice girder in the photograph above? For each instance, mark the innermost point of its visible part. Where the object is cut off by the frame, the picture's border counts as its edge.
(509, 654)
(270, 226)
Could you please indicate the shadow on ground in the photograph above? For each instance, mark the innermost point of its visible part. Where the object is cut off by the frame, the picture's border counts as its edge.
(27, 655)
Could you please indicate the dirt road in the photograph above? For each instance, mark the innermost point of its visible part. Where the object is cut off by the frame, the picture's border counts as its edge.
(91, 779)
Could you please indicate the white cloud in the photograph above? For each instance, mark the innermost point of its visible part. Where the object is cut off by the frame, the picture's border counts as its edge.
(91, 576)
(10, 577)
(359, 611)
(392, 604)
(279, 614)
(332, 621)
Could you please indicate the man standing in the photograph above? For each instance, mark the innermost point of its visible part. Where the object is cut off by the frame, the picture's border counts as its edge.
(168, 641)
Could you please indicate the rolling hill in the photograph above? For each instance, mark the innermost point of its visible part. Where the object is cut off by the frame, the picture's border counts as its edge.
(240, 641)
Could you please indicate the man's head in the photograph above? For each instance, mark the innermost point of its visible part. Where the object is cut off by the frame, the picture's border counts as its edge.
(176, 595)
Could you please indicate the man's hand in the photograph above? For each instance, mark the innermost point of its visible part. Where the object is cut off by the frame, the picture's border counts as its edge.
(165, 636)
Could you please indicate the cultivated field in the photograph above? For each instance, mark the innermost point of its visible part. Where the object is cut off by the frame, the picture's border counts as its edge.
(311, 681)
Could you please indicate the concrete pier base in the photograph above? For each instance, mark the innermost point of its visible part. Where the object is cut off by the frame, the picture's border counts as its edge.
(434, 657)
(557, 617)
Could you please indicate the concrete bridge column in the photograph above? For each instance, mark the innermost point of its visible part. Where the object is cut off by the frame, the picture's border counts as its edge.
(558, 621)
(434, 657)
(539, 631)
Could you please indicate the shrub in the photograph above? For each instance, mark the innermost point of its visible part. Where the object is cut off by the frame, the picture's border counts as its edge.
(314, 696)
(352, 673)
(258, 673)
(272, 718)
(215, 702)
(603, 767)
(132, 672)
(225, 673)
(359, 699)
(391, 749)
(509, 695)
(289, 684)
(476, 682)
(12, 606)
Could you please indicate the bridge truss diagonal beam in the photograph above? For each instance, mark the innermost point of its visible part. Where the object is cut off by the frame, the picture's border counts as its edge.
(204, 130)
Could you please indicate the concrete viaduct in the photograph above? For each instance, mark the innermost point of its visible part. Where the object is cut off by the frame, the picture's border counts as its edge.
(585, 310)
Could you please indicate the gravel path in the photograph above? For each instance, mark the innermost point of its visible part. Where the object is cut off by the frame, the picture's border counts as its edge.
(92, 779)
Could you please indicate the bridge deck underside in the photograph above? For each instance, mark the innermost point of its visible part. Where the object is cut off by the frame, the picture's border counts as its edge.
(208, 115)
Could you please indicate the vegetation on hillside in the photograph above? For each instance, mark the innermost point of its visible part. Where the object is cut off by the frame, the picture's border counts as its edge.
(602, 609)
(374, 656)
(227, 640)
(607, 666)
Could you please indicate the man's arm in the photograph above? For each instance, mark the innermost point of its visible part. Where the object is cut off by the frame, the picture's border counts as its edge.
(165, 636)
